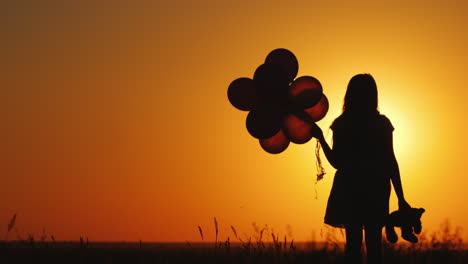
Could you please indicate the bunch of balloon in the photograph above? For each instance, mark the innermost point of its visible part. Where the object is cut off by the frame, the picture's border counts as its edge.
(282, 109)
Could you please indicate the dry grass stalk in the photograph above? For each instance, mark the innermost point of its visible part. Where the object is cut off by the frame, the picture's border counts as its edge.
(44, 235)
(255, 227)
(292, 246)
(216, 230)
(11, 225)
(201, 232)
(234, 231)
(227, 244)
(188, 244)
(260, 237)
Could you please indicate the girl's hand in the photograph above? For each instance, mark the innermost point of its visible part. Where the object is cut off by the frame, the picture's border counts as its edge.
(403, 205)
(316, 132)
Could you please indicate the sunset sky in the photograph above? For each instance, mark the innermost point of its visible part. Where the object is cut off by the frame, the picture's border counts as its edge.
(115, 122)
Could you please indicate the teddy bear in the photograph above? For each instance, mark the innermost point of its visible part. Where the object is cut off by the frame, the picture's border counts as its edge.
(408, 220)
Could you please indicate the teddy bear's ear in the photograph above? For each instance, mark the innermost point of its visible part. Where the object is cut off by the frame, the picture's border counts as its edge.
(420, 211)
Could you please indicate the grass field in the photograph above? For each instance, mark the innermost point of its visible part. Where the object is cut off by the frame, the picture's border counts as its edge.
(444, 246)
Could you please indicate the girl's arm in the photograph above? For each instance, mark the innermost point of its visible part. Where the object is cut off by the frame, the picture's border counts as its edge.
(395, 174)
(332, 155)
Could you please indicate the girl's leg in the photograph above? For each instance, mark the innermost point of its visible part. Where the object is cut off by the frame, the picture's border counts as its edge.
(353, 244)
(374, 244)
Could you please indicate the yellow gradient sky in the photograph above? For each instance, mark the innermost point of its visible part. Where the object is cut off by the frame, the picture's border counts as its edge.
(115, 122)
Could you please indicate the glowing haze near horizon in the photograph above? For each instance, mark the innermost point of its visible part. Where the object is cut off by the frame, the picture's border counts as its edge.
(116, 123)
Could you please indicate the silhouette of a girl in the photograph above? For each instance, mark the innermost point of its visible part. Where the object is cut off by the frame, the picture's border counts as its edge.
(363, 156)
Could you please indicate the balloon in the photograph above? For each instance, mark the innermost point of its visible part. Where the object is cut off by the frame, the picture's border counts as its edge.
(263, 123)
(286, 60)
(276, 144)
(318, 111)
(297, 130)
(242, 94)
(282, 110)
(305, 92)
(272, 84)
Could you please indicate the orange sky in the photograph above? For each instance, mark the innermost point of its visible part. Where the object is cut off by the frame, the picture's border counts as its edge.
(116, 123)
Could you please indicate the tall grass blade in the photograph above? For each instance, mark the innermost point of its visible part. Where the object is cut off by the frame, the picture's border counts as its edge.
(201, 232)
(216, 229)
(12, 223)
(234, 231)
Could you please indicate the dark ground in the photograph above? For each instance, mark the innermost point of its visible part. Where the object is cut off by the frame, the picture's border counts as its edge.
(69, 252)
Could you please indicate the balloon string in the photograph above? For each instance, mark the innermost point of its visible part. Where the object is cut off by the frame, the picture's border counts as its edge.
(320, 170)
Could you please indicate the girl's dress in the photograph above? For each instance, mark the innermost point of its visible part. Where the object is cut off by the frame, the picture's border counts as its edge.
(361, 187)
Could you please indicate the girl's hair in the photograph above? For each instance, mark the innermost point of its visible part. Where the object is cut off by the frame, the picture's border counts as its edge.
(361, 95)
